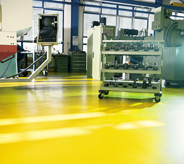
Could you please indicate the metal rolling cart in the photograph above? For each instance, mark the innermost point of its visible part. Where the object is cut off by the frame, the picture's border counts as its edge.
(144, 48)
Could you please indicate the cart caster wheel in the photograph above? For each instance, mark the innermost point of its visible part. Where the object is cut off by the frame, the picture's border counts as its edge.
(106, 92)
(167, 83)
(25, 74)
(157, 99)
(100, 96)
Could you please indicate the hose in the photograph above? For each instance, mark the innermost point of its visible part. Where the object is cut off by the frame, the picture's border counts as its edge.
(6, 69)
(168, 32)
(28, 66)
(134, 60)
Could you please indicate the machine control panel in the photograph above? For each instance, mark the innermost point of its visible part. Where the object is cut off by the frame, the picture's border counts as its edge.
(48, 29)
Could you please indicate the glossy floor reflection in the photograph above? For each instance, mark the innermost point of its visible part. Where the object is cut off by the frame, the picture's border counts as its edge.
(60, 120)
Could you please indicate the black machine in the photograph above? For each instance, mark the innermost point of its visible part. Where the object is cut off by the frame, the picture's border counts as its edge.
(48, 28)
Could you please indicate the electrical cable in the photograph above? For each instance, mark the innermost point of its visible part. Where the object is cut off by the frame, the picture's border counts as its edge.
(28, 66)
(6, 69)
(134, 60)
(168, 32)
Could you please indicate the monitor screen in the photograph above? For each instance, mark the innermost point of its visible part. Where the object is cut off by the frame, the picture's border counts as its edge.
(48, 22)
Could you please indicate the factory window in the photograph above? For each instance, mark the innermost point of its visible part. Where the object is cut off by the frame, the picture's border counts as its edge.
(30, 46)
(111, 11)
(84, 40)
(140, 14)
(179, 16)
(88, 18)
(126, 23)
(53, 5)
(109, 5)
(140, 24)
(85, 48)
(110, 20)
(126, 7)
(151, 19)
(92, 9)
(125, 13)
(37, 3)
(62, 0)
(173, 16)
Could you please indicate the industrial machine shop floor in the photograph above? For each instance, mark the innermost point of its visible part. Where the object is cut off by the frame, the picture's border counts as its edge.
(61, 120)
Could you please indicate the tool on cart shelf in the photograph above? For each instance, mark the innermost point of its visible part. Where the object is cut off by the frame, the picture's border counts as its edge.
(148, 84)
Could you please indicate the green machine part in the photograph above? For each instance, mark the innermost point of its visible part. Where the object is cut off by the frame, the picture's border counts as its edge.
(12, 69)
(173, 66)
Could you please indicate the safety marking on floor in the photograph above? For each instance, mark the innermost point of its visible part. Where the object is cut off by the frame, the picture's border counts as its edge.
(138, 125)
(53, 118)
(42, 134)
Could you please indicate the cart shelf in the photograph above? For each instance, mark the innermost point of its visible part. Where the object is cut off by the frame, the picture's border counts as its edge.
(131, 70)
(132, 52)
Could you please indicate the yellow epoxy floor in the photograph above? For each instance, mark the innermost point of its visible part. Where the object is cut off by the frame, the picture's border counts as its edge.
(60, 120)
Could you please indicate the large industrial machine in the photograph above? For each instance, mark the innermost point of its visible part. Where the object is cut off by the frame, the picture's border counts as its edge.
(172, 31)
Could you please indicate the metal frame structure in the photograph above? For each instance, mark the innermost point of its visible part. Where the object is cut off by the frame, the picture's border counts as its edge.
(156, 87)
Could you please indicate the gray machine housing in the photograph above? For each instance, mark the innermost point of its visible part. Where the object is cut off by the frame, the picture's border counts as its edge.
(94, 58)
(172, 32)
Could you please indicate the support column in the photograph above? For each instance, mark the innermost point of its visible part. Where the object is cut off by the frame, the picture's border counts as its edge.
(67, 28)
(74, 22)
